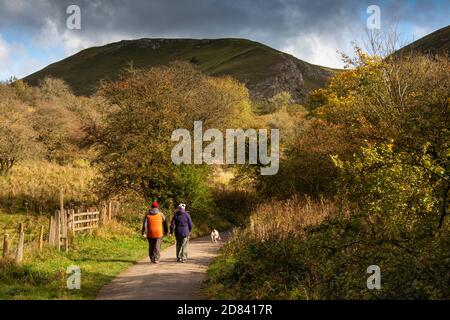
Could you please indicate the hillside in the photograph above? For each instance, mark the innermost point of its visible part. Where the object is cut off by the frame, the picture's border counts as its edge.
(436, 42)
(264, 70)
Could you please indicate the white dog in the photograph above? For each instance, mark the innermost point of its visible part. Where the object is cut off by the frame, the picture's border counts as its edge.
(215, 236)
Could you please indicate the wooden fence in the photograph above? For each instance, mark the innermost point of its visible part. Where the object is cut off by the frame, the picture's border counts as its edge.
(63, 223)
(81, 221)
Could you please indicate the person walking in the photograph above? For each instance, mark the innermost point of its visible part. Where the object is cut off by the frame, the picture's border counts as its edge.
(153, 229)
(182, 225)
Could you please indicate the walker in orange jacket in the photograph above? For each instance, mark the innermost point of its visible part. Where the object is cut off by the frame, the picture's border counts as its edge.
(154, 228)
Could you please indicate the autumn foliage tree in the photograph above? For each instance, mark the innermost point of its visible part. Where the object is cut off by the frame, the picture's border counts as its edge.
(400, 98)
(17, 138)
(147, 105)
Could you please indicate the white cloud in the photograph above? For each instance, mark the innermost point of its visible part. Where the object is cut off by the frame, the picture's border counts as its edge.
(4, 58)
(52, 43)
(15, 60)
(4, 51)
(70, 41)
(419, 32)
(317, 49)
(73, 43)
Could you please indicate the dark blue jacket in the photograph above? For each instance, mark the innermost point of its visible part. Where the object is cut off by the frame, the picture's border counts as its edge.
(181, 224)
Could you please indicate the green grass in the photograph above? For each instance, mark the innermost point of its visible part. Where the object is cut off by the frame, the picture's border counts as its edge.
(9, 224)
(215, 285)
(100, 256)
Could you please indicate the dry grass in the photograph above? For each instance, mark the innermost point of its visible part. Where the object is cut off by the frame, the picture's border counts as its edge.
(288, 217)
(35, 186)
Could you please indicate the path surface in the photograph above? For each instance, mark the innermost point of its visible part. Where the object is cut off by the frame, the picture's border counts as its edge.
(168, 280)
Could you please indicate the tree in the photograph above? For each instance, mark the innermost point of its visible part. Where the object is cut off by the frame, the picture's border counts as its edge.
(400, 98)
(282, 100)
(63, 121)
(135, 143)
(17, 138)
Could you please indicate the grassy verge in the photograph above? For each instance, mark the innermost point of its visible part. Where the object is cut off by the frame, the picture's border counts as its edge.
(217, 285)
(264, 259)
(100, 255)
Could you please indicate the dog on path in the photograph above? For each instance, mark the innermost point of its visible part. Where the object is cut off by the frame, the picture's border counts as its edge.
(215, 236)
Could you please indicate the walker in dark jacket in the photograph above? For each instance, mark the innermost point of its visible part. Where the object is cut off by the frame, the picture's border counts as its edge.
(181, 224)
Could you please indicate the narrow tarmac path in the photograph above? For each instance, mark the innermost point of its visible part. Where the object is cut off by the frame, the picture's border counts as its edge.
(168, 280)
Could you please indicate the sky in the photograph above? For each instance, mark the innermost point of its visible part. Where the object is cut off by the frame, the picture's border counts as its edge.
(34, 33)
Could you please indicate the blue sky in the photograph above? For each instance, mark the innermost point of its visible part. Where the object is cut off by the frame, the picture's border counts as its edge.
(33, 33)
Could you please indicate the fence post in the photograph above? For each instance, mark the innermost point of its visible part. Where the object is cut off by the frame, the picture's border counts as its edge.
(64, 229)
(5, 246)
(41, 238)
(51, 232)
(100, 214)
(74, 229)
(19, 252)
(60, 220)
(115, 209)
(58, 230)
(109, 210)
(105, 214)
(72, 219)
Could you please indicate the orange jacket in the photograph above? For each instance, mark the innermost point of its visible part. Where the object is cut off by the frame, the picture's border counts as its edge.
(155, 224)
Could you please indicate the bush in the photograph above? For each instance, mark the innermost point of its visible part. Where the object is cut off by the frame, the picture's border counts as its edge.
(262, 260)
(320, 254)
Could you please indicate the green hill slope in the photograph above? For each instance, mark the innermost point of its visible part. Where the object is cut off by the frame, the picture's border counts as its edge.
(436, 42)
(264, 70)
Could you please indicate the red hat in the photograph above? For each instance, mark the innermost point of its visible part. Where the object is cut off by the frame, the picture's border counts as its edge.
(155, 204)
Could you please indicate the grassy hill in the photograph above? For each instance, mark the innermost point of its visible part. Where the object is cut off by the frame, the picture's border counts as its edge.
(436, 42)
(265, 71)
